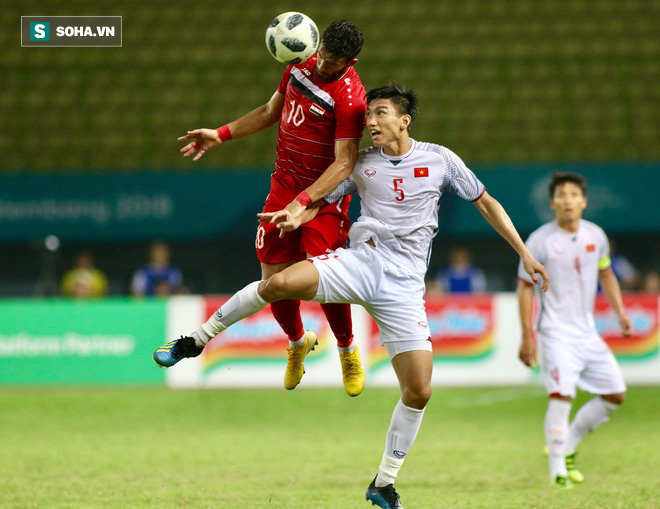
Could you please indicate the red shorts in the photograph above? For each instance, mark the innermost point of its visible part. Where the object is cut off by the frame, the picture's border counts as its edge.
(327, 231)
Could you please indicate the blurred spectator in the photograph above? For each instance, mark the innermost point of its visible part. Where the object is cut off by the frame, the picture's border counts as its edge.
(651, 282)
(624, 271)
(461, 276)
(84, 279)
(158, 277)
(433, 288)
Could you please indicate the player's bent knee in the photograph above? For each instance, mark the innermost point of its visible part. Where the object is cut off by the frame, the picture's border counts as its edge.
(425, 394)
(277, 287)
(416, 397)
(615, 399)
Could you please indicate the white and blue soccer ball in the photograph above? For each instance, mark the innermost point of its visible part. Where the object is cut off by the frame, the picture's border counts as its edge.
(292, 38)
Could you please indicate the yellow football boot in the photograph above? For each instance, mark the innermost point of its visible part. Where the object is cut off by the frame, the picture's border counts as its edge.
(353, 372)
(295, 368)
(573, 473)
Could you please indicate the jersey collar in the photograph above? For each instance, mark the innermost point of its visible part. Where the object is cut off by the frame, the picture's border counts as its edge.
(400, 158)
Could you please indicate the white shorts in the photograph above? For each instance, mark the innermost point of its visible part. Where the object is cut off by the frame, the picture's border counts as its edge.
(394, 348)
(588, 364)
(361, 275)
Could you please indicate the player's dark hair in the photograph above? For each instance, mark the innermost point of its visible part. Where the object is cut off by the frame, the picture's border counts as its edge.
(343, 39)
(560, 178)
(403, 98)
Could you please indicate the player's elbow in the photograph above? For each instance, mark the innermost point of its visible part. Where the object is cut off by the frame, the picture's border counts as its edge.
(269, 118)
(346, 158)
(344, 168)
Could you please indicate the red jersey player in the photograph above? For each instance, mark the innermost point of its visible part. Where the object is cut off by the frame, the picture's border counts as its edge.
(320, 105)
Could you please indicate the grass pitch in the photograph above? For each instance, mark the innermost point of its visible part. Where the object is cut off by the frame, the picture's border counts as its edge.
(82, 448)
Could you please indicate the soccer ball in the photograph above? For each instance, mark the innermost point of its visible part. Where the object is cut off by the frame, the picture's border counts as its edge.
(292, 38)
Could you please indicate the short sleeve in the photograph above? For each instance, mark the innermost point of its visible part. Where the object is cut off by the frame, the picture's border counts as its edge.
(350, 116)
(285, 80)
(345, 188)
(459, 178)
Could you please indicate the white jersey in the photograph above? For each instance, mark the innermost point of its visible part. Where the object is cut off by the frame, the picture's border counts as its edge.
(573, 261)
(400, 199)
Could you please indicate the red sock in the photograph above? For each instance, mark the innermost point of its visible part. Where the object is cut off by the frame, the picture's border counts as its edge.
(339, 318)
(287, 314)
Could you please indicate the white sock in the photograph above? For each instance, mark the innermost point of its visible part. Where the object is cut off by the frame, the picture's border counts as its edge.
(590, 416)
(242, 304)
(388, 470)
(403, 430)
(298, 343)
(556, 431)
(200, 337)
(347, 349)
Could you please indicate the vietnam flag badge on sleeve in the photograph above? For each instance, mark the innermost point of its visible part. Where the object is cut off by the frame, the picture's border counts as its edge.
(421, 172)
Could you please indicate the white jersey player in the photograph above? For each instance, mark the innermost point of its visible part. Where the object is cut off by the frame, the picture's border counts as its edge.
(391, 240)
(400, 182)
(400, 197)
(576, 255)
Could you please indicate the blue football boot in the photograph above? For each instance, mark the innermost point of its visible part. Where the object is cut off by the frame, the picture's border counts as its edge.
(172, 352)
(385, 497)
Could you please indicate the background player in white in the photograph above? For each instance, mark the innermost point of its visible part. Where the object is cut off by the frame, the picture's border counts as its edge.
(400, 182)
(575, 253)
(320, 106)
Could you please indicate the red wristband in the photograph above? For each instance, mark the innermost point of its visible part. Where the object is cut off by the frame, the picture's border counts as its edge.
(303, 198)
(224, 133)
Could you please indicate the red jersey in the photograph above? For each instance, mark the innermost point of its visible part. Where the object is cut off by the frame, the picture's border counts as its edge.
(315, 114)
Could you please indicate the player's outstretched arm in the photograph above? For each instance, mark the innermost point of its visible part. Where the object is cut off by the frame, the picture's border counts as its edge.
(497, 217)
(203, 140)
(286, 221)
(612, 292)
(527, 351)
